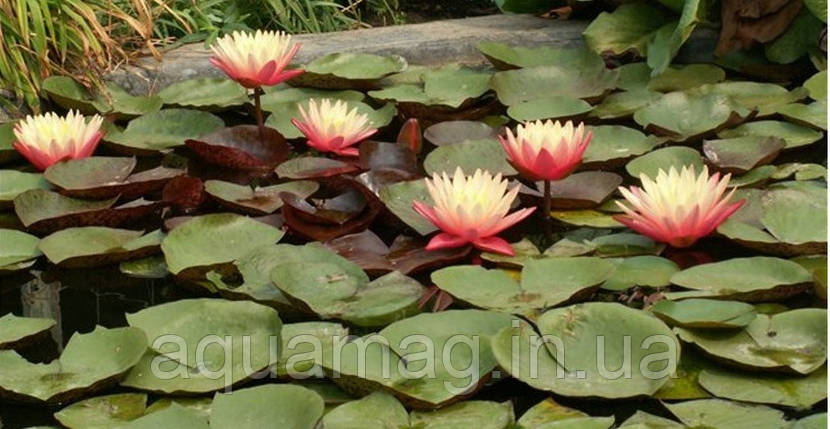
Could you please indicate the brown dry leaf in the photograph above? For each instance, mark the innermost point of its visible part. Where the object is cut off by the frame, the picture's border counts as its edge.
(745, 22)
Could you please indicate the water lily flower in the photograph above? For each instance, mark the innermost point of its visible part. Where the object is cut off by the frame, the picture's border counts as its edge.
(256, 60)
(332, 127)
(471, 209)
(546, 150)
(47, 139)
(678, 208)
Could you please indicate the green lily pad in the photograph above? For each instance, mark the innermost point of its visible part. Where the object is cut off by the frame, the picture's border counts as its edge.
(478, 414)
(682, 117)
(815, 421)
(586, 189)
(670, 37)
(644, 420)
(796, 215)
(449, 86)
(14, 183)
(70, 94)
(812, 115)
(173, 416)
(532, 83)
(39, 205)
(763, 97)
(645, 270)
(744, 278)
(469, 155)
(547, 411)
(309, 167)
(89, 362)
(257, 201)
(591, 218)
(93, 246)
(399, 197)
(665, 158)
(18, 247)
(817, 86)
(103, 412)
(792, 341)
(301, 344)
(686, 77)
(452, 132)
(377, 410)
(271, 405)
(704, 313)
(506, 57)
(741, 154)
(803, 33)
(721, 414)
(163, 130)
(624, 104)
(573, 370)
(615, 142)
(629, 28)
(346, 70)
(817, 266)
(19, 331)
(282, 113)
(753, 177)
(633, 76)
(333, 291)
(774, 389)
(801, 171)
(794, 135)
(102, 177)
(557, 107)
(287, 94)
(7, 151)
(544, 283)
(207, 92)
(151, 267)
(684, 385)
(214, 239)
(624, 244)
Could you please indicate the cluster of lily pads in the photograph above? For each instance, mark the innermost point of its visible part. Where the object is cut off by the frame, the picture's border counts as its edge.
(262, 229)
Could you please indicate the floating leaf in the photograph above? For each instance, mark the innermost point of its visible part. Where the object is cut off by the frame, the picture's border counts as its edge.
(557, 107)
(69, 94)
(645, 270)
(683, 117)
(794, 135)
(686, 77)
(802, 34)
(307, 339)
(103, 412)
(817, 266)
(450, 87)
(163, 130)
(741, 154)
(451, 132)
(813, 114)
(345, 70)
(102, 177)
(377, 410)
(207, 92)
(172, 416)
(547, 411)
(704, 313)
(469, 155)
(817, 86)
(506, 57)
(718, 413)
(270, 405)
(152, 267)
(763, 97)
(796, 215)
(790, 391)
(21, 331)
(581, 190)
(613, 142)
(624, 104)
(663, 159)
(279, 94)
(479, 414)
(311, 167)
(89, 362)
(18, 247)
(628, 28)
(14, 183)
(214, 239)
(96, 246)
(532, 83)
(242, 147)
(670, 37)
(399, 197)
(257, 201)
(745, 278)
(592, 218)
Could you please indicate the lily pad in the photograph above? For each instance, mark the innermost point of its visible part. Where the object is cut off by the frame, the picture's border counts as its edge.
(346, 70)
(665, 158)
(242, 147)
(271, 405)
(7, 151)
(398, 198)
(774, 389)
(449, 87)
(547, 411)
(704, 313)
(103, 412)
(796, 215)
(451, 132)
(470, 155)
(21, 331)
(629, 28)
(14, 183)
(532, 83)
(163, 130)
(793, 135)
(615, 142)
(790, 341)
(817, 86)
(302, 345)
(174, 415)
(279, 94)
(214, 239)
(18, 249)
(763, 97)
(644, 270)
(741, 154)
(377, 410)
(94, 246)
(817, 266)
(333, 291)
(683, 117)
(686, 77)
(259, 200)
(544, 283)
(624, 104)
(212, 93)
(582, 190)
(557, 107)
(151, 267)
(745, 278)
(70, 94)
(505, 57)
(479, 414)
(813, 115)
(312, 167)
(718, 413)
(89, 362)
(102, 177)
(591, 218)
(281, 115)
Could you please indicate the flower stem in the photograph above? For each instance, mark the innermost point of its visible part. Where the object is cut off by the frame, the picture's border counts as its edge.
(258, 113)
(546, 203)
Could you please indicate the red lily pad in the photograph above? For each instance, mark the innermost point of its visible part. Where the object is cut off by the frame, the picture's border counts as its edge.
(184, 193)
(240, 147)
(451, 132)
(313, 167)
(410, 135)
(106, 177)
(583, 190)
(406, 254)
(376, 155)
(44, 212)
(351, 208)
(741, 154)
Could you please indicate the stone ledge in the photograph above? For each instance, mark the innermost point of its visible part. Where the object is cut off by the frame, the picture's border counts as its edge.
(428, 43)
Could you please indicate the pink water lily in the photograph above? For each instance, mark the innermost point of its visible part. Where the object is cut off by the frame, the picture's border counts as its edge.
(471, 210)
(47, 139)
(678, 208)
(256, 60)
(333, 127)
(546, 150)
